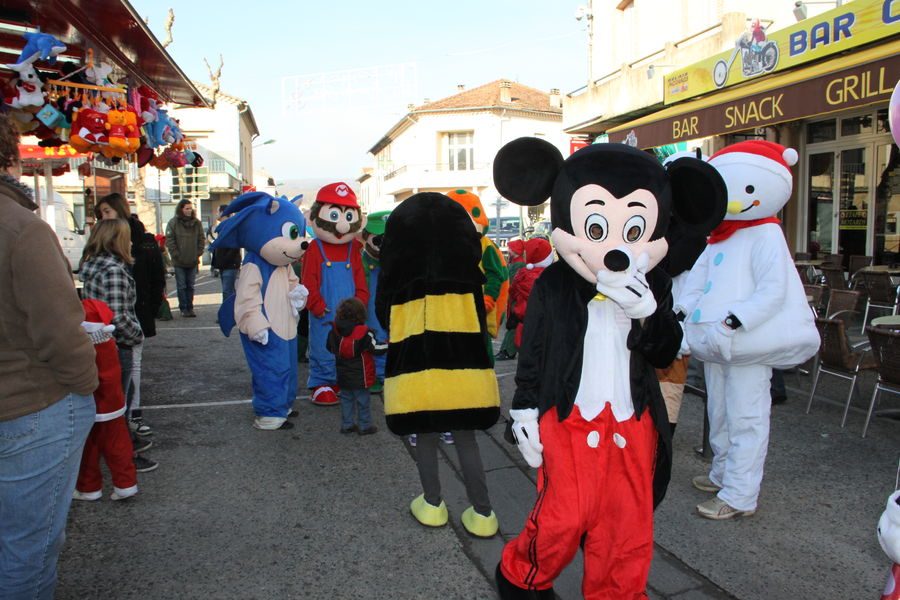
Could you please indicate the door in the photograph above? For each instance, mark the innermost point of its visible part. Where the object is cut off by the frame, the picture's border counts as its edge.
(821, 202)
(854, 197)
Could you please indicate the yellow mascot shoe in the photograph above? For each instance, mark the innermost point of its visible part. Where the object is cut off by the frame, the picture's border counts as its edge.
(428, 514)
(479, 525)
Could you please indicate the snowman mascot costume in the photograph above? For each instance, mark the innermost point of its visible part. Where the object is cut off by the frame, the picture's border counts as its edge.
(745, 314)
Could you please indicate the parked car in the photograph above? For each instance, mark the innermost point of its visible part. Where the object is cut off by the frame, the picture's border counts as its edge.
(70, 233)
(509, 228)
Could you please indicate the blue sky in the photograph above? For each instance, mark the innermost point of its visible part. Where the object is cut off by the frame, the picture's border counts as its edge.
(536, 42)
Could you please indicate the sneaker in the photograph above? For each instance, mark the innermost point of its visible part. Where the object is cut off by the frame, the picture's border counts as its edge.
(351, 429)
(87, 496)
(141, 445)
(190, 314)
(368, 430)
(447, 438)
(504, 355)
(412, 439)
(123, 494)
(137, 425)
(705, 484)
(144, 465)
(718, 510)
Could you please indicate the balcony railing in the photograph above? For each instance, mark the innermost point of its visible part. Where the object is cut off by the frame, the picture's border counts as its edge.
(434, 168)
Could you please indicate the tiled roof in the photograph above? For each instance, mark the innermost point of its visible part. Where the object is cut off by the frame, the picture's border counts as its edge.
(207, 92)
(488, 95)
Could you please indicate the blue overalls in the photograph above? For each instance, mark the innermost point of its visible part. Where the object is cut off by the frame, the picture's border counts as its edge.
(373, 269)
(273, 367)
(337, 284)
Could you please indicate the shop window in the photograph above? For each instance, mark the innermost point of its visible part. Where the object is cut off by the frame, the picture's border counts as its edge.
(882, 124)
(856, 125)
(821, 131)
(887, 204)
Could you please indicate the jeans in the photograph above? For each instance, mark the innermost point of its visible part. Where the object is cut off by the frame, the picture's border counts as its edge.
(184, 280)
(355, 399)
(228, 278)
(133, 397)
(39, 458)
(126, 361)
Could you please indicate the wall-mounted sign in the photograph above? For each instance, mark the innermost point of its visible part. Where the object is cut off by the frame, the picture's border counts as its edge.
(34, 151)
(857, 86)
(757, 53)
(854, 220)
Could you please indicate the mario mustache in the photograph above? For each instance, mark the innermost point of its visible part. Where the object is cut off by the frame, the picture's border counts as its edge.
(331, 227)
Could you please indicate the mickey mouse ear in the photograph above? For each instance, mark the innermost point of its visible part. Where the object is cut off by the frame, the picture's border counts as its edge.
(525, 170)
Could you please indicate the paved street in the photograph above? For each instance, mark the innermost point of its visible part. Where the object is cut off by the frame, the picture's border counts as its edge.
(233, 512)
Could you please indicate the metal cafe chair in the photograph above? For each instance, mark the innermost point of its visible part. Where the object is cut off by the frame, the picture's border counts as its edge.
(882, 294)
(834, 260)
(842, 304)
(857, 262)
(886, 352)
(815, 294)
(834, 277)
(838, 358)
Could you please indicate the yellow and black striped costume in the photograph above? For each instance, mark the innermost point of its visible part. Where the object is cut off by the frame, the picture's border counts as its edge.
(439, 373)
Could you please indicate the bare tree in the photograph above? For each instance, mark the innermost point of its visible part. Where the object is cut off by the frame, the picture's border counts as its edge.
(170, 21)
(214, 79)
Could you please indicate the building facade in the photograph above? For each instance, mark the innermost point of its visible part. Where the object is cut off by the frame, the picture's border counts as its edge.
(451, 143)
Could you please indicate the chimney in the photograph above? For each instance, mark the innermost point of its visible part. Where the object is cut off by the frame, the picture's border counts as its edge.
(555, 98)
(410, 107)
(460, 87)
(505, 91)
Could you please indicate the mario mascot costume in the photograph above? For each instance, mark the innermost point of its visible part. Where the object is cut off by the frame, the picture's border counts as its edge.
(372, 237)
(332, 271)
(493, 265)
(439, 374)
(742, 297)
(267, 300)
(588, 412)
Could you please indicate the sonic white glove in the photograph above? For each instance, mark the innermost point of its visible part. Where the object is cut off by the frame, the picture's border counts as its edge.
(261, 336)
(297, 297)
(629, 288)
(526, 432)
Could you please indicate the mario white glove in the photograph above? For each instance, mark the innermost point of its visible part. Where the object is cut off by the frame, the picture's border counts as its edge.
(629, 288)
(297, 297)
(261, 336)
(98, 332)
(526, 432)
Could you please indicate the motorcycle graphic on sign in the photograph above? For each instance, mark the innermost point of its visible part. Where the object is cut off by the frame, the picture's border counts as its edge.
(758, 55)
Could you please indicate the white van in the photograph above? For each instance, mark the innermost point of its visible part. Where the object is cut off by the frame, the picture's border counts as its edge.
(70, 233)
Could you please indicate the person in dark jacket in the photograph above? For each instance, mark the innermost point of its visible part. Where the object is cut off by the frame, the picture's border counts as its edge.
(227, 261)
(185, 241)
(354, 347)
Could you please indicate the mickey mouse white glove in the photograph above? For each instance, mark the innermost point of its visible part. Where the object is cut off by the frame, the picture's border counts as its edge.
(718, 338)
(526, 432)
(261, 336)
(297, 297)
(629, 288)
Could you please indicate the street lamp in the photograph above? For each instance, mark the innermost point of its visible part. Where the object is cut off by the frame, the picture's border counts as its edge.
(800, 10)
(651, 70)
(265, 143)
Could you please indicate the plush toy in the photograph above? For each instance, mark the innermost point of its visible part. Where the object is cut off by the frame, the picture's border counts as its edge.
(88, 131)
(268, 298)
(687, 241)
(29, 87)
(590, 415)
(333, 271)
(146, 101)
(372, 237)
(742, 296)
(117, 131)
(132, 130)
(40, 46)
(889, 538)
(538, 256)
(99, 73)
(439, 374)
(496, 288)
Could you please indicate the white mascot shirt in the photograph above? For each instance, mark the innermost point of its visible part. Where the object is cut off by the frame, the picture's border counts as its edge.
(751, 273)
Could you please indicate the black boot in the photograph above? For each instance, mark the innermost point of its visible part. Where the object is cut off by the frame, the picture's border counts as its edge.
(672, 427)
(509, 591)
(504, 355)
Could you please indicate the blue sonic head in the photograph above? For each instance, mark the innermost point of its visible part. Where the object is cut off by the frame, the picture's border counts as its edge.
(273, 228)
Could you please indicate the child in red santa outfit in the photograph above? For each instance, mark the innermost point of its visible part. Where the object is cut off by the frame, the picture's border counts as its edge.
(109, 438)
(538, 256)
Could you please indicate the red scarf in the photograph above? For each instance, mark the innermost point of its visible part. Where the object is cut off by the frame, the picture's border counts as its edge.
(727, 228)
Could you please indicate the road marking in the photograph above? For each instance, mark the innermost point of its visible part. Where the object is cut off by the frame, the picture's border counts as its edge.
(205, 404)
(183, 328)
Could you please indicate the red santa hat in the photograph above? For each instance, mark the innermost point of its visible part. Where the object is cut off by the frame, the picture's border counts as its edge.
(337, 193)
(538, 253)
(516, 247)
(760, 153)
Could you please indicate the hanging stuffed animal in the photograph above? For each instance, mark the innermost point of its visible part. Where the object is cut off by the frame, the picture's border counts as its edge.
(889, 538)
(29, 87)
(88, 131)
(117, 132)
(590, 415)
(742, 296)
(98, 74)
(268, 298)
(40, 46)
(333, 271)
(496, 287)
(132, 130)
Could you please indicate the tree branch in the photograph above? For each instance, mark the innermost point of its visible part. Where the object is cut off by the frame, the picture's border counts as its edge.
(214, 79)
(170, 21)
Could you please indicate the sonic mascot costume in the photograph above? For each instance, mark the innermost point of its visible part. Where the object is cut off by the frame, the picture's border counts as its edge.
(268, 298)
(333, 271)
(588, 412)
(372, 238)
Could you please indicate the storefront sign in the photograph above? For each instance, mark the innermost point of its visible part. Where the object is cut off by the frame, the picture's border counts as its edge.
(34, 151)
(757, 53)
(858, 86)
(853, 220)
(577, 143)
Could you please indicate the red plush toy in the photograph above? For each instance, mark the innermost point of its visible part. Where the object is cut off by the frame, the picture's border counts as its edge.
(88, 131)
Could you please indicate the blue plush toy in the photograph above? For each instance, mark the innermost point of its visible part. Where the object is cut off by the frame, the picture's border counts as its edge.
(44, 45)
(268, 298)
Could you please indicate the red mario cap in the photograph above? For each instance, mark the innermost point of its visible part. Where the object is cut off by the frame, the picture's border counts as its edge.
(337, 193)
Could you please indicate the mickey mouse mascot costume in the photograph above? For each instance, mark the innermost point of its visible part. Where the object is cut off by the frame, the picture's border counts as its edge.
(588, 411)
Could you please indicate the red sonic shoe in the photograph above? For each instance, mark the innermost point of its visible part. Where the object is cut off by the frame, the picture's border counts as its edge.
(324, 395)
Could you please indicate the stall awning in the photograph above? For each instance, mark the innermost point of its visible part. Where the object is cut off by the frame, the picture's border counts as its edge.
(854, 80)
(114, 30)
